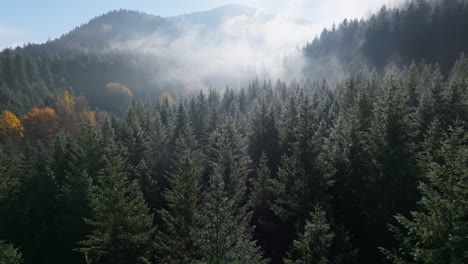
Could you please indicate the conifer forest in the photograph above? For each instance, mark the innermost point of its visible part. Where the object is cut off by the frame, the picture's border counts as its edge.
(119, 155)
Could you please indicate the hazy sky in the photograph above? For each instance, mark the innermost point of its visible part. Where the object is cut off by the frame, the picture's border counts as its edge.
(23, 21)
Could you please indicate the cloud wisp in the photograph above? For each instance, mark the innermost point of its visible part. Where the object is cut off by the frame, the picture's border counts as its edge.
(241, 47)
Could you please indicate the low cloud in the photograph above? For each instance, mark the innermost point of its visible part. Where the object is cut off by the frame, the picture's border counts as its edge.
(243, 46)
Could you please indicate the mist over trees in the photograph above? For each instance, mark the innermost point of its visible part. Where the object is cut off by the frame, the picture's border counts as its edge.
(431, 31)
(365, 165)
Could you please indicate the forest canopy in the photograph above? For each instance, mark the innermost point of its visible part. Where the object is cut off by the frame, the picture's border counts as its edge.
(367, 163)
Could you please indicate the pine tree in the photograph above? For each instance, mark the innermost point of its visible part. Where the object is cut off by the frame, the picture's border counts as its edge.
(301, 173)
(434, 103)
(228, 152)
(457, 91)
(158, 147)
(313, 245)
(9, 254)
(135, 142)
(76, 201)
(32, 70)
(261, 198)
(176, 244)
(88, 153)
(122, 230)
(290, 189)
(42, 202)
(264, 135)
(438, 232)
(346, 149)
(7, 68)
(223, 232)
(74, 187)
(262, 195)
(393, 171)
(19, 72)
(288, 125)
(182, 122)
(11, 197)
(200, 119)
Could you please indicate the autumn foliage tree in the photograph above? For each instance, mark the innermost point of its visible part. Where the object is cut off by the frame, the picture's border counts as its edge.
(166, 96)
(117, 94)
(10, 126)
(41, 124)
(74, 112)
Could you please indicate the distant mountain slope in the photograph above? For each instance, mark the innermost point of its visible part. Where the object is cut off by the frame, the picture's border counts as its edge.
(121, 26)
(215, 16)
(101, 51)
(433, 31)
(99, 32)
(151, 54)
(114, 26)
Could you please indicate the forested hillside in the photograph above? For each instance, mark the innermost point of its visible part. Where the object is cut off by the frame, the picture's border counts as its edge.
(431, 31)
(368, 165)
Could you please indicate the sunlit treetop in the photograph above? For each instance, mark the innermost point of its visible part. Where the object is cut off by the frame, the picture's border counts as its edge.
(10, 125)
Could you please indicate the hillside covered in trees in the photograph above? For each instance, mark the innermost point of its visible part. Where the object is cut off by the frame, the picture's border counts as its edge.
(366, 164)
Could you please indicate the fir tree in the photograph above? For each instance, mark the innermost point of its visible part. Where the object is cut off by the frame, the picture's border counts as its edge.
(223, 232)
(438, 232)
(228, 152)
(313, 245)
(176, 244)
(42, 205)
(122, 230)
(76, 206)
(264, 135)
(262, 195)
(9, 254)
(290, 189)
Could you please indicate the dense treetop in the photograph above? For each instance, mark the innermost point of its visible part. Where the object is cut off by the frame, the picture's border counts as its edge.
(365, 167)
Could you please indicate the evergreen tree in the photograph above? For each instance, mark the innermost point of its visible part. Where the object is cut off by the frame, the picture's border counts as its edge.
(434, 103)
(313, 245)
(264, 135)
(40, 225)
(288, 125)
(393, 172)
(19, 71)
(87, 154)
(223, 232)
(262, 196)
(176, 244)
(76, 199)
(291, 190)
(7, 68)
(438, 232)
(122, 230)
(200, 118)
(12, 192)
(9, 254)
(158, 147)
(228, 153)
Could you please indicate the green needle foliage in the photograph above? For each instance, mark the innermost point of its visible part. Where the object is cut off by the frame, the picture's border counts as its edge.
(438, 232)
(122, 231)
(9, 254)
(312, 246)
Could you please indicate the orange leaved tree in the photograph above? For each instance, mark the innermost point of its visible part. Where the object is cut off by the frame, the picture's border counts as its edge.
(10, 127)
(41, 124)
(166, 96)
(74, 112)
